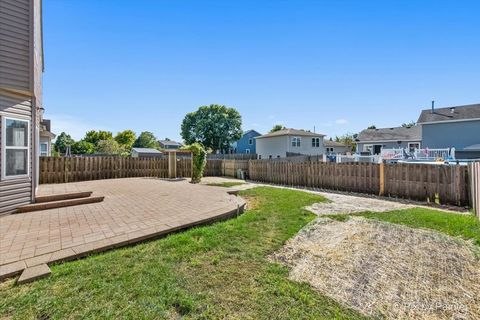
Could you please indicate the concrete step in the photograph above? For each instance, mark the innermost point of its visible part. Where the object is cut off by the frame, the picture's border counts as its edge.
(63, 196)
(58, 204)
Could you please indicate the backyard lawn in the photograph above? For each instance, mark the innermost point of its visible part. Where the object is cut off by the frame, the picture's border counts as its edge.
(227, 184)
(216, 271)
(466, 226)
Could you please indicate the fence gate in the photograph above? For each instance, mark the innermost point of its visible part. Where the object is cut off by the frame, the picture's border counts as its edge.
(474, 170)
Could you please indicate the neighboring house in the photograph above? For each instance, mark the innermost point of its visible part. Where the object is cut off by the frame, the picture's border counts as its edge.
(46, 137)
(457, 127)
(247, 143)
(289, 141)
(21, 68)
(372, 141)
(145, 152)
(335, 147)
(169, 144)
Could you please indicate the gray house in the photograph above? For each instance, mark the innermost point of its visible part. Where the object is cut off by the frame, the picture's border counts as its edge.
(280, 143)
(46, 137)
(372, 141)
(335, 147)
(21, 67)
(145, 152)
(457, 127)
(169, 144)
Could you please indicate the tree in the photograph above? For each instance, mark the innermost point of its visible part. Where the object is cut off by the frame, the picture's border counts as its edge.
(277, 127)
(93, 136)
(409, 124)
(63, 140)
(146, 139)
(108, 147)
(348, 139)
(199, 160)
(83, 147)
(372, 127)
(126, 138)
(214, 126)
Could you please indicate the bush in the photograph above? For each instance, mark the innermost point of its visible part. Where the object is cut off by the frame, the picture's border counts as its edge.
(199, 160)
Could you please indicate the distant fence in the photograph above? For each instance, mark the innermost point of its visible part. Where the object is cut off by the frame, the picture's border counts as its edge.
(233, 156)
(445, 184)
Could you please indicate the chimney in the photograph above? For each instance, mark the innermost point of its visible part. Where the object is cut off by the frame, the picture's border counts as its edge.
(433, 106)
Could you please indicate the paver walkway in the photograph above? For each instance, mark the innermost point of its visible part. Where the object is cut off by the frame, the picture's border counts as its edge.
(134, 209)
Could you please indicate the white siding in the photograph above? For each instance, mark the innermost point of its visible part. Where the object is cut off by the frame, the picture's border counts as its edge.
(279, 146)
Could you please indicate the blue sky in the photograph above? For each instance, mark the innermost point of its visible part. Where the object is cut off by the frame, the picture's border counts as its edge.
(336, 65)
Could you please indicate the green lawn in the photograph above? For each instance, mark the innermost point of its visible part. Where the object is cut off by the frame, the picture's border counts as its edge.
(216, 271)
(465, 226)
(227, 184)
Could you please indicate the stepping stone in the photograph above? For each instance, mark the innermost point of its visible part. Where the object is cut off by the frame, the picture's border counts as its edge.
(34, 273)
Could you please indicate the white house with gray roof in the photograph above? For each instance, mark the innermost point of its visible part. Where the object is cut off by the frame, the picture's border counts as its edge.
(372, 141)
(280, 143)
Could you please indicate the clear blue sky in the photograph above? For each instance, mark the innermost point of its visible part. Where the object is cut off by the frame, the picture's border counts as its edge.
(336, 65)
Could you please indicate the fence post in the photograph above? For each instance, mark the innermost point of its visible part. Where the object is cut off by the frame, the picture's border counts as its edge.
(172, 164)
(474, 172)
(382, 179)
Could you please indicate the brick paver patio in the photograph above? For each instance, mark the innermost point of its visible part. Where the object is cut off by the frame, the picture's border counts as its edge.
(134, 209)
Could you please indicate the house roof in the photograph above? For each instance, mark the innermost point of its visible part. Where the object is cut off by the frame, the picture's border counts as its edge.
(251, 130)
(331, 143)
(413, 133)
(454, 113)
(146, 150)
(170, 143)
(290, 132)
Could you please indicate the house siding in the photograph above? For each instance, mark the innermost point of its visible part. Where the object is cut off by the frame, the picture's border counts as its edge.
(388, 144)
(243, 143)
(281, 145)
(451, 134)
(21, 66)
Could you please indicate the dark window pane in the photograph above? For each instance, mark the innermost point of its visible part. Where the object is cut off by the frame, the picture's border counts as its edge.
(16, 162)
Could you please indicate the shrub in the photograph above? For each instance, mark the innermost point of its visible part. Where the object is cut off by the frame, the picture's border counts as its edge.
(199, 157)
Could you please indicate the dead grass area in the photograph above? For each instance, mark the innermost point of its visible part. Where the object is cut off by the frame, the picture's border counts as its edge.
(383, 269)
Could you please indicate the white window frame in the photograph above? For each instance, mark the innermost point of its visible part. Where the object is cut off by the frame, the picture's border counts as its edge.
(315, 142)
(250, 142)
(247, 151)
(4, 148)
(296, 142)
(410, 143)
(46, 150)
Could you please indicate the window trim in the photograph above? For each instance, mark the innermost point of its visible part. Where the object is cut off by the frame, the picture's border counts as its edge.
(46, 150)
(247, 151)
(250, 142)
(315, 142)
(4, 148)
(419, 145)
(297, 141)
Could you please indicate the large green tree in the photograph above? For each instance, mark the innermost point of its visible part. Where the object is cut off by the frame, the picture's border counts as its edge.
(126, 138)
(349, 140)
(63, 140)
(108, 147)
(214, 126)
(146, 139)
(93, 136)
(83, 147)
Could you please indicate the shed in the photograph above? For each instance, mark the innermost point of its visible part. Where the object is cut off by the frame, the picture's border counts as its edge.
(145, 152)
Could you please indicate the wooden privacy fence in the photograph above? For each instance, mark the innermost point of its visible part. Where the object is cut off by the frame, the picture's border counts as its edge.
(445, 184)
(474, 171)
(64, 169)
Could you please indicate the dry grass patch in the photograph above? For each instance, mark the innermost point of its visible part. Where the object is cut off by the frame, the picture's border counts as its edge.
(383, 269)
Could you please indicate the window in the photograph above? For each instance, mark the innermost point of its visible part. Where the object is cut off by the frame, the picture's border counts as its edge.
(413, 145)
(247, 151)
(259, 157)
(330, 149)
(43, 149)
(296, 141)
(270, 157)
(250, 141)
(315, 142)
(16, 148)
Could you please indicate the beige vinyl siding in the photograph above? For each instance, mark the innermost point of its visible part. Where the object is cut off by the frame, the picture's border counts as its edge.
(14, 193)
(14, 45)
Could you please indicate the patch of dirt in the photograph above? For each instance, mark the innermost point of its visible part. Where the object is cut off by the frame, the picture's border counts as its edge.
(383, 269)
(344, 204)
